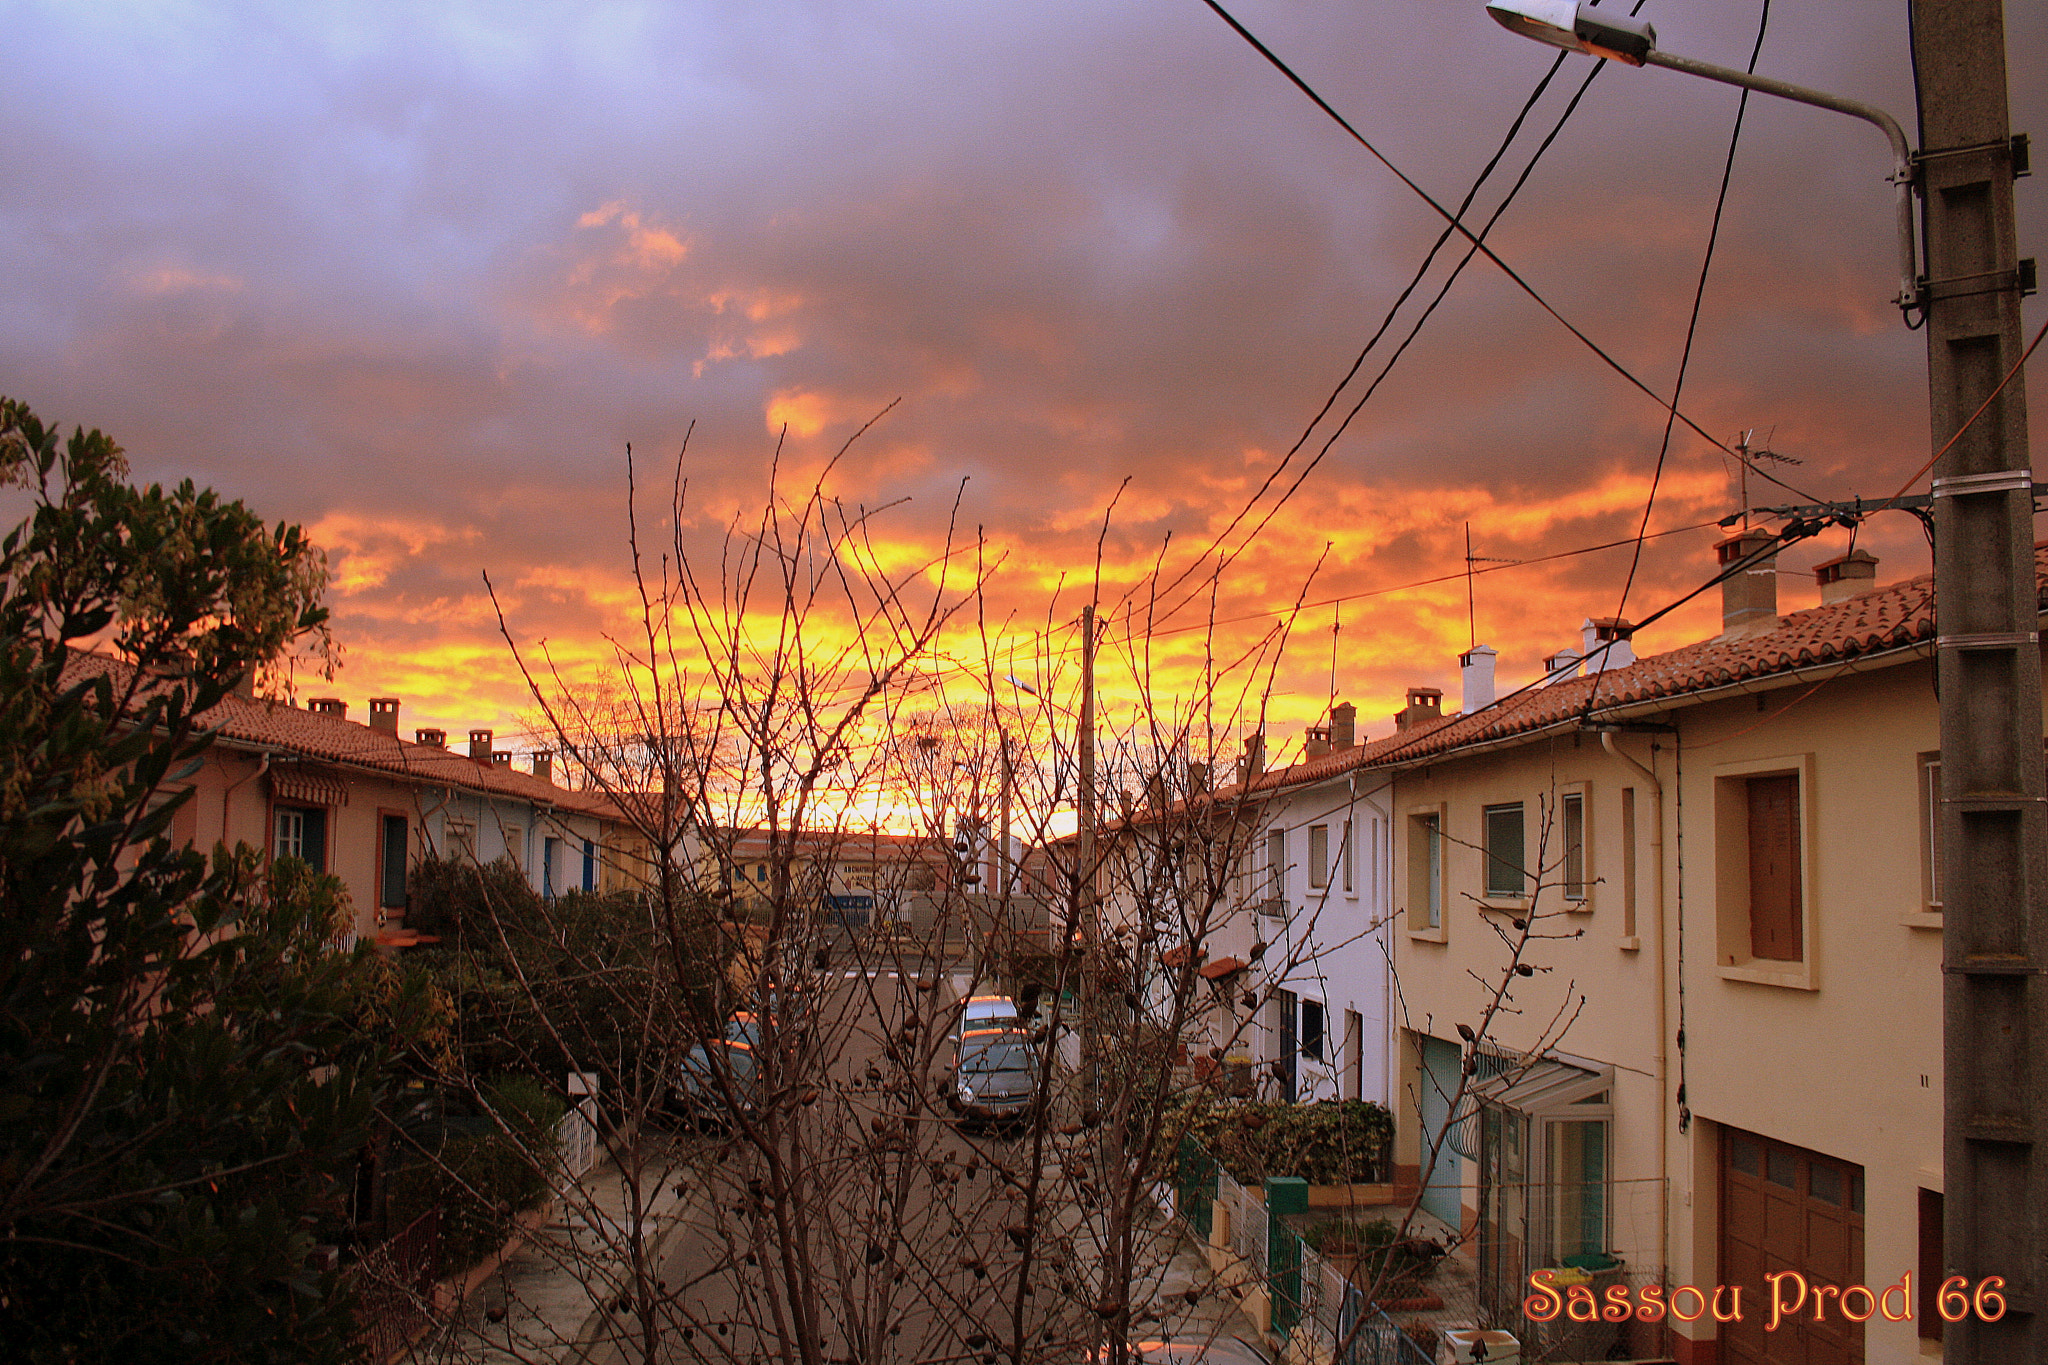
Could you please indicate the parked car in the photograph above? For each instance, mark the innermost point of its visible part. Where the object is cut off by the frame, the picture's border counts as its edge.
(995, 1076)
(979, 1012)
(718, 1075)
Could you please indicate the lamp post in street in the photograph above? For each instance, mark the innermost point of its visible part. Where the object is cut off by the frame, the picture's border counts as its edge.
(1994, 790)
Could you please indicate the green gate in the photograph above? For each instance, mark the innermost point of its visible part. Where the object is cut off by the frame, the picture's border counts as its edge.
(1195, 1186)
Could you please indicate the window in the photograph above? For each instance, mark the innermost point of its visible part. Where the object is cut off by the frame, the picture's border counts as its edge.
(589, 865)
(300, 832)
(1776, 902)
(391, 863)
(1930, 829)
(1312, 1030)
(1762, 887)
(550, 858)
(515, 844)
(1319, 855)
(460, 838)
(1344, 855)
(1426, 871)
(1504, 850)
(1572, 815)
(1628, 862)
(1276, 870)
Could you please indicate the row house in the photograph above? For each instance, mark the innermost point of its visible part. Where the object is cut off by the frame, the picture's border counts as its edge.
(1710, 884)
(362, 803)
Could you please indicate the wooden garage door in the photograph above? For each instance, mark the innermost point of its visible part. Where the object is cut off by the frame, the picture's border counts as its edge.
(1786, 1208)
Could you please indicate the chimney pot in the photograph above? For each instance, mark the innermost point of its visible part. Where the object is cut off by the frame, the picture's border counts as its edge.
(1749, 600)
(1846, 575)
(384, 714)
(1253, 764)
(480, 745)
(328, 706)
(1476, 666)
(1561, 665)
(544, 766)
(1424, 704)
(429, 735)
(1343, 726)
(1317, 742)
(1612, 632)
(501, 758)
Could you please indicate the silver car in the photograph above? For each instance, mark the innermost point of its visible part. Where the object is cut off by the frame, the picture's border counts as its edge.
(995, 1079)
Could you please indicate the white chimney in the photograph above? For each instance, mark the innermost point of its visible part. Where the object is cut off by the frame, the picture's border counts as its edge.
(1476, 664)
(1620, 653)
(1561, 665)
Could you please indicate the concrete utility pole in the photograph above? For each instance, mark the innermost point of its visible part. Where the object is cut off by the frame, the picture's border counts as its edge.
(1994, 824)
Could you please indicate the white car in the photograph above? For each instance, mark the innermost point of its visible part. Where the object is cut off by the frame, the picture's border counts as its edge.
(980, 1012)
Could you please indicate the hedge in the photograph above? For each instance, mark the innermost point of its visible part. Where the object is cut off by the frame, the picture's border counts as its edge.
(1330, 1142)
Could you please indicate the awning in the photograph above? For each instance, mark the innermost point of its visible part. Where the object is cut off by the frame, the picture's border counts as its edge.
(1174, 957)
(1222, 967)
(1541, 1087)
(308, 786)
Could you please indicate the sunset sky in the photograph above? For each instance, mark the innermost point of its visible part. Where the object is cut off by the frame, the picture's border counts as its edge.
(415, 276)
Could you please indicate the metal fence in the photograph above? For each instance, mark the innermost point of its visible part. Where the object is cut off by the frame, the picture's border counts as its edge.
(394, 1284)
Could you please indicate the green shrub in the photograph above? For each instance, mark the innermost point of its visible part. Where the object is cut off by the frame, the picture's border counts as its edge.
(480, 1180)
(1374, 1245)
(1331, 1142)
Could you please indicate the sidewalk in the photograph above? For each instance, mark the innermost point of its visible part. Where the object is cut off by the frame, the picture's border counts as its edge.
(551, 1301)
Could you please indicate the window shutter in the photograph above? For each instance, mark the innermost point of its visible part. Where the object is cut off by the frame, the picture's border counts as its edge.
(1775, 890)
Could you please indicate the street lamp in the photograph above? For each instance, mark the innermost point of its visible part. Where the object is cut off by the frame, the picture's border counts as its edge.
(1579, 27)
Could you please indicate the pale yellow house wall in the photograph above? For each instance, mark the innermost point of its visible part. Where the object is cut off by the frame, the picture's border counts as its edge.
(1847, 1060)
(1840, 1054)
(1591, 971)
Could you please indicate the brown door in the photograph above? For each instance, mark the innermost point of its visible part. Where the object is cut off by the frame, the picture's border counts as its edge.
(1786, 1208)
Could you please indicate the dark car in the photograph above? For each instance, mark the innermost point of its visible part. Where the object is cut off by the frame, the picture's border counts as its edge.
(717, 1076)
(995, 1078)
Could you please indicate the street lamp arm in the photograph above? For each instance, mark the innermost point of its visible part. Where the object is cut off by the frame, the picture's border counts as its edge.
(1579, 27)
(1902, 152)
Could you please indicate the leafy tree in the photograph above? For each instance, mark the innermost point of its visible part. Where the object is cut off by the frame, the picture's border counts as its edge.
(185, 1080)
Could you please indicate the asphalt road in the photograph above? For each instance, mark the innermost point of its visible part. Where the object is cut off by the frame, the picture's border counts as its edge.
(904, 1235)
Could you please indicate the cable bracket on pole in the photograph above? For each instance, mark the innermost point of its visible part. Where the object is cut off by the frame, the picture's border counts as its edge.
(2011, 639)
(1996, 481)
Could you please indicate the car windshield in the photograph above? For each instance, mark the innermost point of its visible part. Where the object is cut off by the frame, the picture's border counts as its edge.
(997, 1054)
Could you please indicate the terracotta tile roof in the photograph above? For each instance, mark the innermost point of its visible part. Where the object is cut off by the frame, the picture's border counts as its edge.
(249, 721)
(1893, 618)
(1884, 619)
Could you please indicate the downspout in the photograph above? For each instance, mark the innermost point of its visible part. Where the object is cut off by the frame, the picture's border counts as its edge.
(1663, 1021)
(227, 797)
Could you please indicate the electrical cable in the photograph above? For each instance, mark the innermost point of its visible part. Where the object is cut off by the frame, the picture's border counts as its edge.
(1457, 225)
(1692, 326)
(1387, 320)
